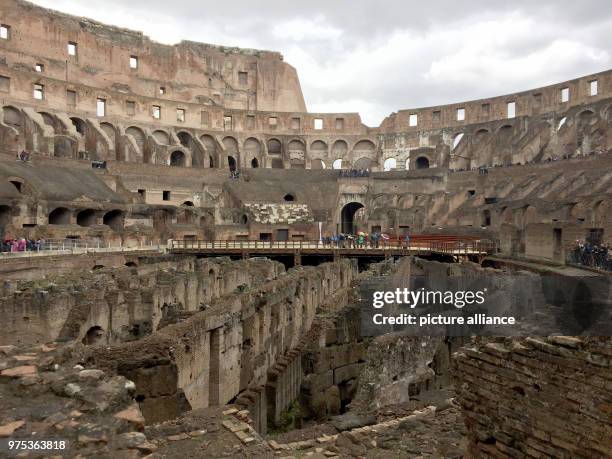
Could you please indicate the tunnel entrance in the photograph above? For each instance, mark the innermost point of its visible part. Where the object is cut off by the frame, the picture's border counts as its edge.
(95, 335)
(347, 217)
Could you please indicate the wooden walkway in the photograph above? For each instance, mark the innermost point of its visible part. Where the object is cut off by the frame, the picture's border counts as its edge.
(455, 247)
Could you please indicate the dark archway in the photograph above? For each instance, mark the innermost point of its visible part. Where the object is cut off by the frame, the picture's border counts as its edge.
(114, 219)
(86, 217)
(254, 163)
(177, 158)
(231, 162)
(79, 125)
(347, 217)
(422, 163)
(59, 216)
(95, 335)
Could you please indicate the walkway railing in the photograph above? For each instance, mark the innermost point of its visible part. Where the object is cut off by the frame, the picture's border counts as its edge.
(456, 247)
(74, 246)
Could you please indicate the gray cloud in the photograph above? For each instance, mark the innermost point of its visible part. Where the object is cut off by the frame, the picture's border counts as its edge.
(376, 57)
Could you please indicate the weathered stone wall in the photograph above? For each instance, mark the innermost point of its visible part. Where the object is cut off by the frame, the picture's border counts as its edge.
(537, 397)
(118, 304)
(215, 354)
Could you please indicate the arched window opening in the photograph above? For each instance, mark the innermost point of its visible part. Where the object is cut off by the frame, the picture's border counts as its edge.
(422, 163)
(389, 164)
(59, 216)
(114, 219)
(177, 158)
(86, 218)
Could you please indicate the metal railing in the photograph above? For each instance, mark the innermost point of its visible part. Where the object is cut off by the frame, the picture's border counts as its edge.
(72, 246)
(456, 247)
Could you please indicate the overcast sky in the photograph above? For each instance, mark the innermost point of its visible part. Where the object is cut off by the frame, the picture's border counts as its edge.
(376, 57)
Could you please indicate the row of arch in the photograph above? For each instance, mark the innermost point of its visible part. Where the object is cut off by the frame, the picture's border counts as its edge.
(87, 217)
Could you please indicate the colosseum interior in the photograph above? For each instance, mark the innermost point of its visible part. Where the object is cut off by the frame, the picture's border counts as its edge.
(182, 292)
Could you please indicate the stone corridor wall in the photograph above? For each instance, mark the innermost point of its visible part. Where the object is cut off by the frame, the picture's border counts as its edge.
(537, 397)
(120, 304)
(212, 356)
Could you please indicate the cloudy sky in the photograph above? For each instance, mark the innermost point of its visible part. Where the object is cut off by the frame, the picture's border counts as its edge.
(376, 56)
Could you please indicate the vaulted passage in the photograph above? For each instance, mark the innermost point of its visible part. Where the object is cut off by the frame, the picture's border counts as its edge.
(347, 217)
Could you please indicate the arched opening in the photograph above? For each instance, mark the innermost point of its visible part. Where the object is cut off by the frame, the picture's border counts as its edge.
(337, 164)
(422, 163)
(231, 145)
(185, 139)
(318, 146)
(274, 147)
(114, 219)
(177, 158)
(231, 163)
(254, 163)
(363, 164)
(86, 217)
(131, 264)
(79, 125)
(187, 204)
(480, 135)
(252, 147)
(339, 149)
(347, 217)
(297, 154)
(48, 120)
(586, 116)
(59, 216)
(138, 136)
(162, 137)
(110, 132)
(289, 197)
(389, 164)
(12, 117)
(95, 335)
(210, 147)
(364, 146)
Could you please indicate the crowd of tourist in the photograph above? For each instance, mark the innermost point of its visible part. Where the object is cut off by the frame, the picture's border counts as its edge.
(482, 170)
(360, 240)
(354, 172)
(593, 255)
(21, 245)
(234, 175)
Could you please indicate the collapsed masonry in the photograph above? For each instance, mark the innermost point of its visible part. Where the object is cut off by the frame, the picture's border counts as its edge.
(224, 349)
